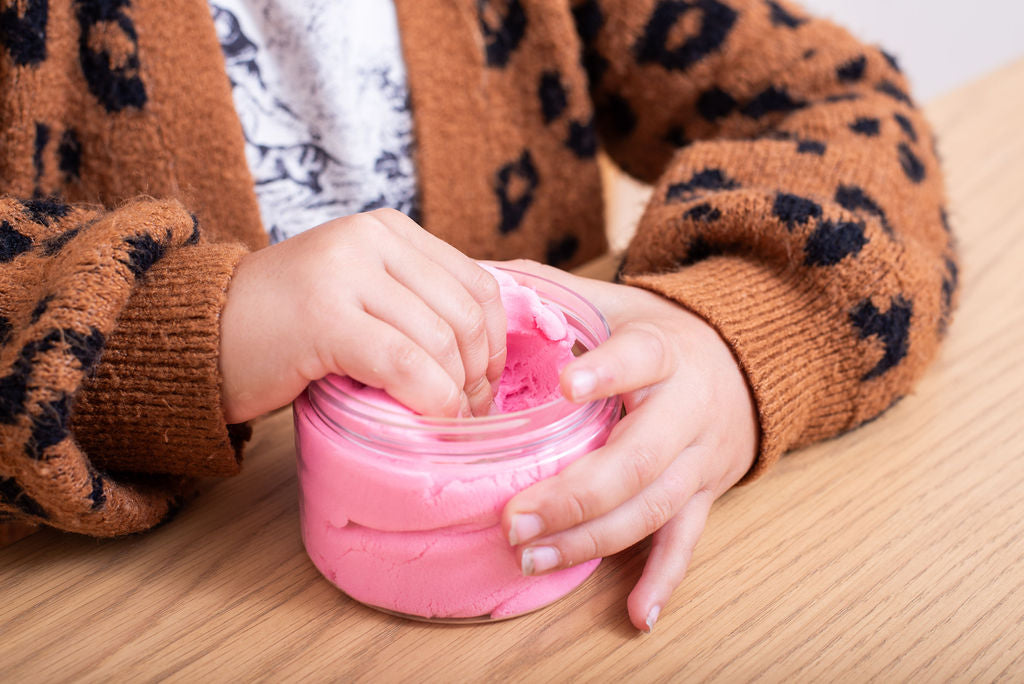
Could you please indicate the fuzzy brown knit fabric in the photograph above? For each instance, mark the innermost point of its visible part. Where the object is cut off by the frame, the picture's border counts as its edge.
(798, 208)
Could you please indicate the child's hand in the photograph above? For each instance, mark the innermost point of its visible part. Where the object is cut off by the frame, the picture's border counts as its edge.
(690, 433)
(372, 296)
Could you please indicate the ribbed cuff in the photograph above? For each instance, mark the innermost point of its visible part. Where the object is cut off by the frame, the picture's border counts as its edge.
(789, 338)
(153, 404)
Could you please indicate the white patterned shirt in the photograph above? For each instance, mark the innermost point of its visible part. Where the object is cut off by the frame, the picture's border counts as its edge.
(320, 88)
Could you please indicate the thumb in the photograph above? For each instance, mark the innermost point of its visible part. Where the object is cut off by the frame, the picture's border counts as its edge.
(637, 355)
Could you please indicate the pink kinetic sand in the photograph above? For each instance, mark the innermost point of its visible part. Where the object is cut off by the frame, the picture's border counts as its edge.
(409, 519)
(539, 345)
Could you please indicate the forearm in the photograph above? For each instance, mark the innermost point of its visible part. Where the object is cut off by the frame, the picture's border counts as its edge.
(798, 206)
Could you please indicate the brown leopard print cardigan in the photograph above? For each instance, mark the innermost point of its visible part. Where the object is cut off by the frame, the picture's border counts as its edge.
(798, 207)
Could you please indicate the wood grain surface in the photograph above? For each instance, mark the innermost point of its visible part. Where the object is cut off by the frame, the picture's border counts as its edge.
(894, 553)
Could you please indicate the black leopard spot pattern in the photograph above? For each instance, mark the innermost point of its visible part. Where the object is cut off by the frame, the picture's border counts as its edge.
(912, 165)
(562, 250)
(771, 100)
(12, 494)
(866, 125)
(716, 23)
(853, 198)
(676, 136)
(513, 207)
(69, 155)
(703, 212)
(96, 494)
(45, 211)
(55, 244)
(701, 249)
(503, 25)
(852, 71)
(708, 179)
(715, 103)
(553, 98)
(794, 210)
(892, 327)
(833, 241)
(895, 92)
(38, 148)
(12, 242)
(115, 84)
(582, 138)
(24, 33)
(906, 126)
(781, 17)
(145, 251)
(589, 18)
(41, 306)
(49, 427)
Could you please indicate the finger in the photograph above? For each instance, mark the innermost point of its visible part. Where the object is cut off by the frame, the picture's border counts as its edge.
(671, 551)
(636, 355)
(442, 293)
(447, 298)
(394, 363)
(622, 527)
(638, 451)
(479, 283)
(393, 303)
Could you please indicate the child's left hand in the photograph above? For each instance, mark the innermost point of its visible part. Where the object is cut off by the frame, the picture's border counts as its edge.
(690, 433)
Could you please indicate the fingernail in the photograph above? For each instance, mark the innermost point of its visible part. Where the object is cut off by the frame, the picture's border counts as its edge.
(582, 383)
(524, 527)
(539, 559)
(464, 408)
(652, 617)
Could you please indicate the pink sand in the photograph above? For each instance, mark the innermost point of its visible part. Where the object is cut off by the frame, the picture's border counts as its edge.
(539, 344)
(422, 537)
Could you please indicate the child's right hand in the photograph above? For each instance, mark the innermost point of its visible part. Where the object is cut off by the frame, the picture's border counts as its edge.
(373, 296)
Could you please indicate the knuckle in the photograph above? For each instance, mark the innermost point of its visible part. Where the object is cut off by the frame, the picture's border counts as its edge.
(653, 338)
(575, 508)
(384, 213)
(335, 242)
(484, 287)
(478, 387)
(643, 465)
(365, 233)
(366, 224)
(405, 357)
(475, 325)
(587, 547)
(441, 334)
(447, 345)
(446, 352)
(655, 511)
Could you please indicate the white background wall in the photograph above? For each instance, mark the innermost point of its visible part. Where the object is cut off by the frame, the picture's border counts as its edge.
(939, 43)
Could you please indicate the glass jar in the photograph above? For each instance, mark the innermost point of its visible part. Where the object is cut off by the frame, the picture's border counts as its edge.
(402, 512)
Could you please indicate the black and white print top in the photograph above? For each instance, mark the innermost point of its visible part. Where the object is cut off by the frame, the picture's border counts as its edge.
(320, 88)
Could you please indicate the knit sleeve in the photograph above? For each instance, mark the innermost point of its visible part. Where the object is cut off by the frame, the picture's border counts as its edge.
(798, 204)
(109, 332)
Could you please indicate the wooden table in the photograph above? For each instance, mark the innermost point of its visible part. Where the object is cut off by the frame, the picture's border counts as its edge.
(895, 552)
